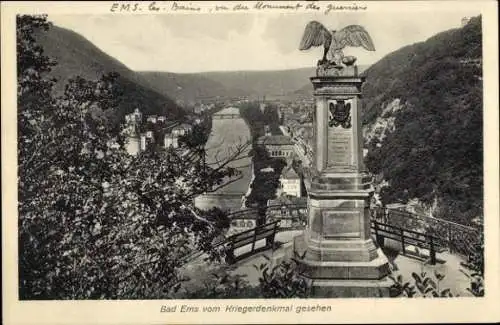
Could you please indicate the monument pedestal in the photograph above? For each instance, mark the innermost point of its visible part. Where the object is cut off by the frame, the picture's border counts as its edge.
(340, 258)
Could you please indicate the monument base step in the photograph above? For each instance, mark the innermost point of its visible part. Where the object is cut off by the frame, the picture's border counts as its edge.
(350, 288)
(377, 268)
(342, 250)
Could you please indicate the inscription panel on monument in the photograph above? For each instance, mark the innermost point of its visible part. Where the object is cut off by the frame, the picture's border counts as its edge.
(339, 147)
(341, 224)
(340, 134)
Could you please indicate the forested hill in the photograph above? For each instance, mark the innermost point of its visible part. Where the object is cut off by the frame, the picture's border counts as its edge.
(189, 87)
(76, 56)
(230, 84)
(423, 122)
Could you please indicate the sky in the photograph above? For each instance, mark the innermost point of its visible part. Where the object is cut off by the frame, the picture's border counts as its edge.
(224, 42)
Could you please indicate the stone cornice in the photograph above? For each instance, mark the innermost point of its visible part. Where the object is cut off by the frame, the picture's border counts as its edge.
(342, 85)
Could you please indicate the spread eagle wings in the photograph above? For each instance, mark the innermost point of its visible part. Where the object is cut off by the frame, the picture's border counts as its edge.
(353, 35)
(316, 34)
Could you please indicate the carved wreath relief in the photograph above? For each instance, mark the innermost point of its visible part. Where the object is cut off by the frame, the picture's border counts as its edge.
(340, 113)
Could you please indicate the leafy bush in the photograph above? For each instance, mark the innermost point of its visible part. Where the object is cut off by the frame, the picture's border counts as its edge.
(282, 281)
(423, 286)
(220, 285)
(474, 268)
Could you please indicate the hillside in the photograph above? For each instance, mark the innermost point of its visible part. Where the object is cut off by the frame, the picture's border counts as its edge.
(272, 84)
(228, 84)
(423, 123)
(189, 87)
(76, 56)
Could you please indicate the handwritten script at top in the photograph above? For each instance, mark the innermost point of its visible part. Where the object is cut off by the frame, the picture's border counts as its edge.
(185, 7)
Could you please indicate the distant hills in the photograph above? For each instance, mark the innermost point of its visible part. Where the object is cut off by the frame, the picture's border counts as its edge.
(229, 84)
(272, 84)
(189, 87)
(423, 110)
(278, 84)
(76, 56)
(161, 92)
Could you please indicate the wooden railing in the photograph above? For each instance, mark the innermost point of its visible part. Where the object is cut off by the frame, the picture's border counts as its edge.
(403, 226)
(457, 238)
(252, 236)
(405, 237)
(254, 212)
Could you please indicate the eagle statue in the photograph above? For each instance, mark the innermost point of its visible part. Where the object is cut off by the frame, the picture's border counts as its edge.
(334, 42)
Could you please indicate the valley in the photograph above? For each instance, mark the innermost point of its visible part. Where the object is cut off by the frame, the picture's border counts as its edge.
(422, 109)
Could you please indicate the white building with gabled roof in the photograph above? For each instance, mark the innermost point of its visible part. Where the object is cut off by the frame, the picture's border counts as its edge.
(290, 182)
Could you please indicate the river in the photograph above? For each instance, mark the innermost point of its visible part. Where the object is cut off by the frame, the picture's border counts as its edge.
(229, 131)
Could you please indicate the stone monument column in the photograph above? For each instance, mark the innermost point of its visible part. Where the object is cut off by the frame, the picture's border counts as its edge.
(340, 258)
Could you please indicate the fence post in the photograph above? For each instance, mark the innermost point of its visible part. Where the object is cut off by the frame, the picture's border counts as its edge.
(230, 259)
(402, 241)
(254, 238)
(378, 237)
(270, 239)
(432, 251)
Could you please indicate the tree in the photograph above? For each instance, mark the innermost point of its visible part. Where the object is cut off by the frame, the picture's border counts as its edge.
(265, 184)
(95, 222)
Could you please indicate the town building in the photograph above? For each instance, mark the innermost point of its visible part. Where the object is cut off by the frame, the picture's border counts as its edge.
(291, 211)
(267, 130)
(135, 117)
(147, 139)
(290, 182)
(132, 133)
(152, 119)
(137, 141)
(199, 109)
(262, 107)
(171, 139)
(132, 144)
(182, 129)
(276, 145)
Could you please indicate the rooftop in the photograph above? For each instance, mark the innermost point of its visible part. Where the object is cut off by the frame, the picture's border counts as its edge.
(290, 173)
(287, 199)
(275, 139)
